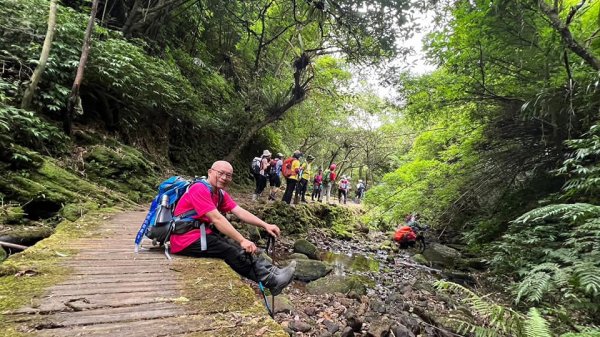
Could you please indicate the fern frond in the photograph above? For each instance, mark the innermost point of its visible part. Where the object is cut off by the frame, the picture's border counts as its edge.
(536, 325)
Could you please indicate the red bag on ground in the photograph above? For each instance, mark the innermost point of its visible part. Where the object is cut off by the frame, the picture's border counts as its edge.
(405, 233)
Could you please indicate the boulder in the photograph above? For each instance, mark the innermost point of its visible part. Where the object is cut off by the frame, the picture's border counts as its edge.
(338, 284)
(302, 246)
(310, 270)
(298, 256)
(441, 255)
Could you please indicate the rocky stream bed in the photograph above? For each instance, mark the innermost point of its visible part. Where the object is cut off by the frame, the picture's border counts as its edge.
(370, 289)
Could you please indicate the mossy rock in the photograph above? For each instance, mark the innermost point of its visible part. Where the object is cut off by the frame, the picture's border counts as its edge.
(11, 215)
(419, 258)
(303, 246)
(74, 211)
(310, 270)
(338, 284)
(124, 169)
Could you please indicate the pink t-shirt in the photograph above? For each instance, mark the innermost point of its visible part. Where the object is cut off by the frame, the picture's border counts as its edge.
(200, 199)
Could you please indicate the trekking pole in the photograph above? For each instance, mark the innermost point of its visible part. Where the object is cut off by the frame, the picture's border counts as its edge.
(270, 249)
(261, 287)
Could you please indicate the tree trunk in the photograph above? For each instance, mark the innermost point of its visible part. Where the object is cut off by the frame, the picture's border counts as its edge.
(567, 37)
(275, 114)
(85, 51)
(39, 70)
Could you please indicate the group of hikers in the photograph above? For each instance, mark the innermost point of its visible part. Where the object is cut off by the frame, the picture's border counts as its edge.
(297, 174)
(199, 228)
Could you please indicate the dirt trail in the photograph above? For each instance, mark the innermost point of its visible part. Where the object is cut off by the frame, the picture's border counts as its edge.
(114, 292)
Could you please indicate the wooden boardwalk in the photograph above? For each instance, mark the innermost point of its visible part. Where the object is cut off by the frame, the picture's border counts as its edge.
(114, 292)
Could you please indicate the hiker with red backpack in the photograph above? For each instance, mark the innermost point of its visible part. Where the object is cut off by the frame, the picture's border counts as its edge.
(343, 187)
(206, 203)
(290, 170)
(328, 181)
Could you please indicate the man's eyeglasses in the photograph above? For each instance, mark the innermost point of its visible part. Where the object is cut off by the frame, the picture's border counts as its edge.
(228, 176)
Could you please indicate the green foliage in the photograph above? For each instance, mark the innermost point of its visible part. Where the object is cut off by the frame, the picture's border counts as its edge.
(562, 240)
(485, 318)
(25, 128)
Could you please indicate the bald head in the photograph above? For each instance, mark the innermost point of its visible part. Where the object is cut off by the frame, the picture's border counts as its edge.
(220, 174)
(222, 165)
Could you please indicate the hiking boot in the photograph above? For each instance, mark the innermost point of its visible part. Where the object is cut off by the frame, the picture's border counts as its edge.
(279, 278)
(273, 278)
(254, 196)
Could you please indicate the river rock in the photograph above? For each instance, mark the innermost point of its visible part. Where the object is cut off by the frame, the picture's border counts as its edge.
(348, 332)
(302, 246)
(353, 321)
(441, 255)
(378, 306)
(300, 326)
(379, 327)
(338, 284)
(310, 270)
(331, 326)
(283, 305)
(400, 330)
(298, 256)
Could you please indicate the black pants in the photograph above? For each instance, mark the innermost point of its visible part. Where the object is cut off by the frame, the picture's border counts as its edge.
(261, 183)
(341, 193)
(301, 189)
(289, 190)
(219, 247)
(316, 192)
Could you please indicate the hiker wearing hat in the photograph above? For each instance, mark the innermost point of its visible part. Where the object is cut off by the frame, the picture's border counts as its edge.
(328, 181)
(305, 168)
(343, 187)
(290, 170)
(275, 175)
(261, 174)
(209, 202)
(360, 191)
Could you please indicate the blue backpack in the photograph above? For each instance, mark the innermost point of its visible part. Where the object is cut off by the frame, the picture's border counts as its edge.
(160, 222)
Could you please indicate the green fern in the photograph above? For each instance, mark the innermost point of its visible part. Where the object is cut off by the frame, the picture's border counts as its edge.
(535, 325)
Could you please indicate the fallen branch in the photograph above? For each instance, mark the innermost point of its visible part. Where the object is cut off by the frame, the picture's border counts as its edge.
(12, 245)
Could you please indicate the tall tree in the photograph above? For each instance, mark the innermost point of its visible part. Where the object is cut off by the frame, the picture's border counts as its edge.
(41, 66)
(74, 99)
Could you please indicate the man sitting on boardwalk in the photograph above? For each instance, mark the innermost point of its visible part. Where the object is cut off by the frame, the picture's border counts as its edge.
(205, 201)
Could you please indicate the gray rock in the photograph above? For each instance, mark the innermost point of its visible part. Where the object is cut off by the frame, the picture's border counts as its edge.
(338, 284)
(283, 305)
(331, 326)
(441, 255)
(310, 311)
(378, 306)
(310, 270)
(379, 327)
(348, 332)
(302, 246)
(400, 330)
(300, 326)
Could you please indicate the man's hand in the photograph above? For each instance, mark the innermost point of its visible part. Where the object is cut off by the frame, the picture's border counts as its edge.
(248, 246)
(273, 230)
